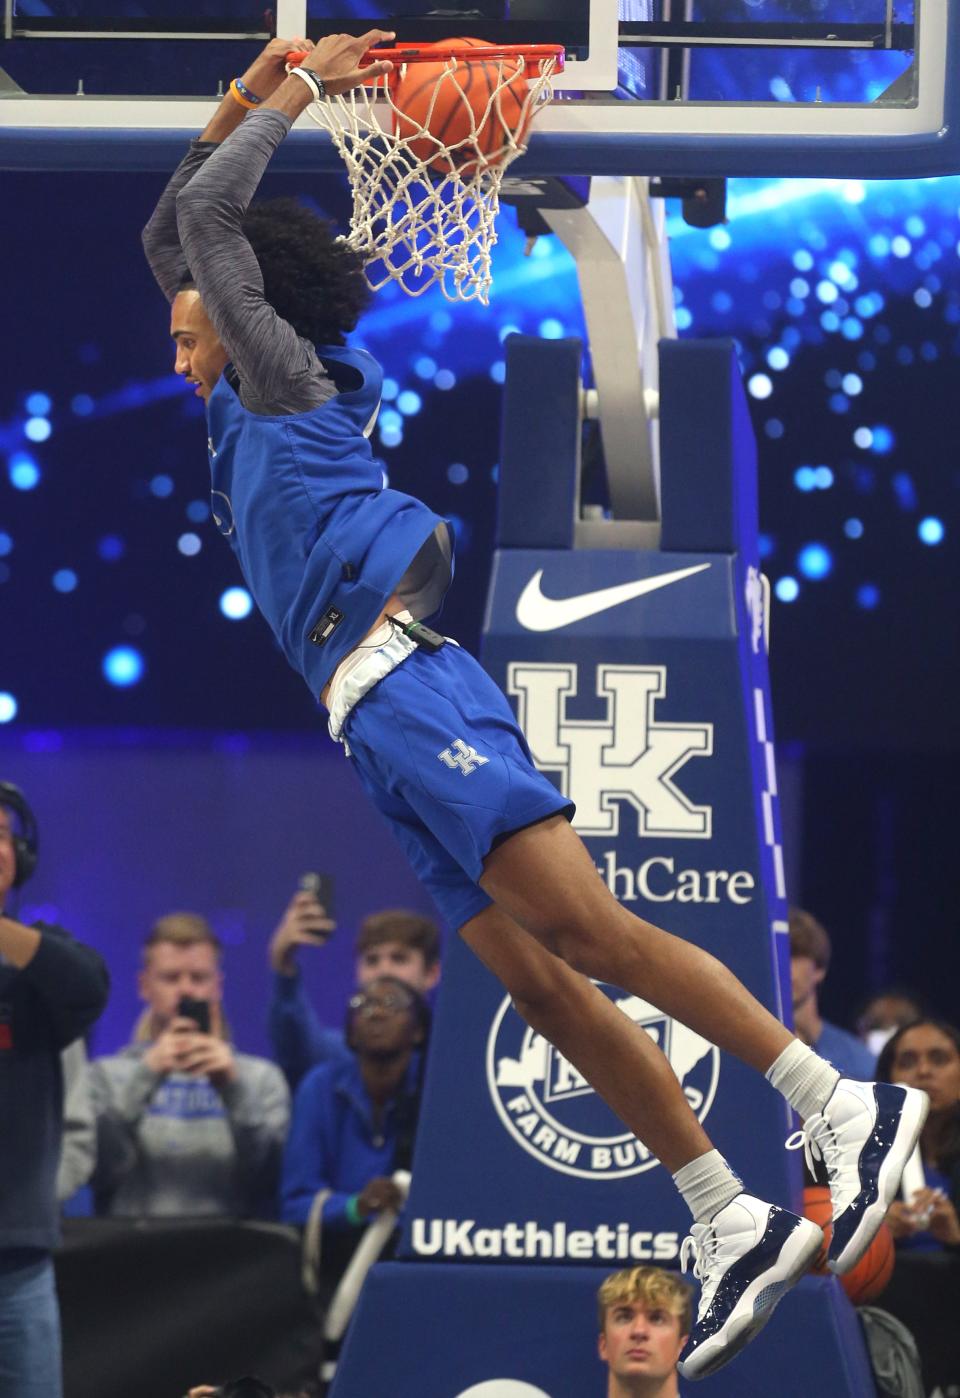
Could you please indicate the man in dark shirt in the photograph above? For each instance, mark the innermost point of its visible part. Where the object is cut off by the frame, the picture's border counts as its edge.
(51, 991)
(345, 570)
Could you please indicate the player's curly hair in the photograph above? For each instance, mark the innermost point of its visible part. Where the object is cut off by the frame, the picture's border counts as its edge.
(310, 278)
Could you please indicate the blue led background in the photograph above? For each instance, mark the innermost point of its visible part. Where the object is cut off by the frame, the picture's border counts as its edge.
(845, 302)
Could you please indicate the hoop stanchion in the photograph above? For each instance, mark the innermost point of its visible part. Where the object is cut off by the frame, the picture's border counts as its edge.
(425, 158)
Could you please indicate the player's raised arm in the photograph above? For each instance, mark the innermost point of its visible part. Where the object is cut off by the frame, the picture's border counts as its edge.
(161, 239)
(277, 367)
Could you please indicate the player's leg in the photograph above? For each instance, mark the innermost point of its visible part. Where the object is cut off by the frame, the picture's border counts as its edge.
(619, 1061)
(543, 877)
(755, 1249)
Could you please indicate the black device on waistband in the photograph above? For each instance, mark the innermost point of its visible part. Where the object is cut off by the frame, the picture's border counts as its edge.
(422, 636)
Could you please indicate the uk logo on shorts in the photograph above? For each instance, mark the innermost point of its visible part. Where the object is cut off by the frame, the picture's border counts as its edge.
(554, 1113)
(461, 755)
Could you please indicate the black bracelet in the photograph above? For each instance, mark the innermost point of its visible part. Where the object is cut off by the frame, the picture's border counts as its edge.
(315, 84)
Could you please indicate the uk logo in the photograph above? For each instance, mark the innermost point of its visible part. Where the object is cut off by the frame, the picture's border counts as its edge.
(461, 756)
(627, 756)
(553, 1113)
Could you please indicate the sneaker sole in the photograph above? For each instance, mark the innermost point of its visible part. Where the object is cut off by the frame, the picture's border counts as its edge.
(916, 1105)
(757, 1303)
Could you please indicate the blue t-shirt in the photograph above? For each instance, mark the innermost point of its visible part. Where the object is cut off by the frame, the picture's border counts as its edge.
(321, 541)
(850, 1057)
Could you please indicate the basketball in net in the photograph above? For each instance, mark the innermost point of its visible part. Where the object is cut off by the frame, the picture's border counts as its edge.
(463, 114)
(426, 147)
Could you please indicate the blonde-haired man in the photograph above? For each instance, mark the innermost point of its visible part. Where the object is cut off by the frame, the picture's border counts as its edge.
(644, 1316)
(186, 1125)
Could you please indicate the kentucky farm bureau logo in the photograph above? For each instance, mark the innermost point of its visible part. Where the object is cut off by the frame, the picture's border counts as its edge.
(555, 1115)
(627, 756)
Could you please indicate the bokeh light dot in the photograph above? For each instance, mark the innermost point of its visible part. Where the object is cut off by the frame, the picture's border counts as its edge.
(23, 471)
(760, 386)
(931, 530)
(409, 403)
(161, 486)
(111, 547)
(8, 707)
(39, 404)
(445, 379)
(81, 405)
(6, 544)
(787, 589)
(236, 603)
(37, 429)
(123, 666)
(815, 561)
(189, 545)
(65, 580)
(853, 528)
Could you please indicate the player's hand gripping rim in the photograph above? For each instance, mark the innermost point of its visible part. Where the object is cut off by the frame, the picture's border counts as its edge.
(338, 60)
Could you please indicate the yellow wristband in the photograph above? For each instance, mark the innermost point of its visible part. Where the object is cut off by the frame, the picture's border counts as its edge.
(239, 97)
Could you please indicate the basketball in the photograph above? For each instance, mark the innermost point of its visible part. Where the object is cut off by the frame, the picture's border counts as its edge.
(872, 1273)
(472, 107)
(818, 1208)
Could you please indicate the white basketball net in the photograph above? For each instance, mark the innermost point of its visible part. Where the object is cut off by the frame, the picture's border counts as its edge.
(411, 223)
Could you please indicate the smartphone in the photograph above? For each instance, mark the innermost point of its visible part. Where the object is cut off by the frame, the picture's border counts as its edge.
(321, 886)
(197, 1010)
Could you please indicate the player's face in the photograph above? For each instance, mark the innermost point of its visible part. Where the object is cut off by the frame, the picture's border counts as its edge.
(641, 1342)
(928, 1058)
(8, 861)
(402, 962)
(200, 357)
(172, 972)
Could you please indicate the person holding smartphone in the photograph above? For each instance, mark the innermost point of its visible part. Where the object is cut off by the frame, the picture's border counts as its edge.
(393, 942)
(186, 1125)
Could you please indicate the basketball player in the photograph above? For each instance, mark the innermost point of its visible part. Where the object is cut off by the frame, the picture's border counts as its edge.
(345, 571)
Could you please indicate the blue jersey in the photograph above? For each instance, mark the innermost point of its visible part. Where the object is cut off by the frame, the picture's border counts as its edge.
(321, 542)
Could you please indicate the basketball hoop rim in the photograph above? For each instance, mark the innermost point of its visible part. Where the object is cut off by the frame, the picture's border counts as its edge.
(534, 56)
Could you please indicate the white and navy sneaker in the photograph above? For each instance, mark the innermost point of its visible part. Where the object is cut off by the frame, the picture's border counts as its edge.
(745, 1258)
(864, 1136)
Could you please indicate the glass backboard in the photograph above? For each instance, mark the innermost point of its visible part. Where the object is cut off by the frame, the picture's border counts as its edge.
(867, 88)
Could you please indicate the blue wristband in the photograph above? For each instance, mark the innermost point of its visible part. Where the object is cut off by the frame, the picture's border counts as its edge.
(245, 92)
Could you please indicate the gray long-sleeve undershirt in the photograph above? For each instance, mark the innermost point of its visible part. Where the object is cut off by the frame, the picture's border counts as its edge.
(196, 232)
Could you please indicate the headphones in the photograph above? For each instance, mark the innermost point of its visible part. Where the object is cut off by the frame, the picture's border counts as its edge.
(26, 843)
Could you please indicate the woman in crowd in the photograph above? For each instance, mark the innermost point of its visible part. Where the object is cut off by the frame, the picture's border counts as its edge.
(927, 1054)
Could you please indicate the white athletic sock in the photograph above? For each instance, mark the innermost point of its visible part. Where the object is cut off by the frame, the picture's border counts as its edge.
(804, 1078)
(707, 1185)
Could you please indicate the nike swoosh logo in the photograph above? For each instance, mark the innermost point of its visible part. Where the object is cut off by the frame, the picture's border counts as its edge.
(538, 613)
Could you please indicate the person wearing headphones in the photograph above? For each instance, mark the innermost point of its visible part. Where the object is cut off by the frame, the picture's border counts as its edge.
(51, 990)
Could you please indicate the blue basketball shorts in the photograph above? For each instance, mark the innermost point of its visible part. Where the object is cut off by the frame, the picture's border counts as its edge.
(438, 749)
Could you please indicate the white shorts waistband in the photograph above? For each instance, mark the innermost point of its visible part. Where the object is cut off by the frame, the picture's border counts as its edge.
(347, 690)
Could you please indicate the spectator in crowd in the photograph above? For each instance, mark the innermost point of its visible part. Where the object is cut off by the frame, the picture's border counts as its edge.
(354, 1120)
(644, 1317)
(927, 1055)
(886, 1011)
(79, 1151)
(395, 943)
(186, 1125)
(51, 990)
(810, 952)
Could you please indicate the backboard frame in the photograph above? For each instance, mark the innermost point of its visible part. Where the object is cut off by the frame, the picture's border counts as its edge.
(592, 136)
